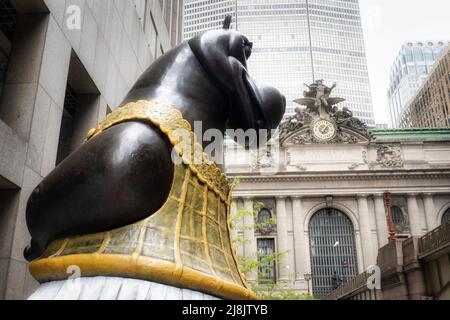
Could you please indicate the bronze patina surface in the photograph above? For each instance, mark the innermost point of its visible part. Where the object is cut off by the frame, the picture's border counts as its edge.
(120, 206)
(186, 243)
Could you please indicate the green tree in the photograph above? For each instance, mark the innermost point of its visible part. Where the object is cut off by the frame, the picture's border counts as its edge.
(266, 288)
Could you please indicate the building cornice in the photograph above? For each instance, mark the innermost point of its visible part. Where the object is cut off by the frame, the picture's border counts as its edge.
(333, 176)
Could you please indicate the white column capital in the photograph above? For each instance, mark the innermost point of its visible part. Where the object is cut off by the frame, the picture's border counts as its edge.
(416, 218)
(412, 195)
(430, 211)
(381, 221)
(282, 236)
(369, 253)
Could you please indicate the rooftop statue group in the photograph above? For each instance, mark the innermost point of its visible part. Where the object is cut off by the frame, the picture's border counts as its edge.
(320, 105)
(318, 99)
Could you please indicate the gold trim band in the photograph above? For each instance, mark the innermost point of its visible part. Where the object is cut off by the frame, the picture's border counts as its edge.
(140, 268)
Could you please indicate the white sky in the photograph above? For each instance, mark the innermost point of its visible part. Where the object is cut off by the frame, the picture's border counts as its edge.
(387, 25)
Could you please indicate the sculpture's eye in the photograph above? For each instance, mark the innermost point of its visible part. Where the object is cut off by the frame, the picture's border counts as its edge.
(248, 46)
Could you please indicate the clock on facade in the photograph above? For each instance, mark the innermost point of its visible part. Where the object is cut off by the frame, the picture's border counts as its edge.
(324, 130)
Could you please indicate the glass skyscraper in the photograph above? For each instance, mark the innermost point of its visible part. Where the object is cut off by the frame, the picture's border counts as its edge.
(409, 70)
(296, 42)
(204, 15)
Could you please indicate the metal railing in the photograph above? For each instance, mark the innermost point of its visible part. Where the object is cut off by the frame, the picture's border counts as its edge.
(434, 240)
(350, 287)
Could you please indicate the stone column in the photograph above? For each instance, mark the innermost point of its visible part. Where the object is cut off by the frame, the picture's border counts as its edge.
(237, 227)
(381, 220)
(299, 238)
(359, 251)
(430, 211)
(369, 254)
(31, 106)
(282, 243)
(414, 215)
(249, 235)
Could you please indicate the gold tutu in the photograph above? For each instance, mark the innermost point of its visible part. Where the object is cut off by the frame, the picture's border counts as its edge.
(185, 244)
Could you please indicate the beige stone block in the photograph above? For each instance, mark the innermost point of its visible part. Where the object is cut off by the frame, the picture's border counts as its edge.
(26, 55)
(55, 63)
(13, 150)
(15, 280)
(74, 35)
(4, 265)
(17, 107)
(128, 64)
(100, 63)
(116, 36)
(143, 50)
(30, 286)
(100, 10)
(109, 15)
(51, 140)
(86, 118)
(88, 42)
(58, 10)
(111, 82)
(38, 130)
(102, 109)
(9, 200)
(121, 6)
(22, 237)
(122, 90)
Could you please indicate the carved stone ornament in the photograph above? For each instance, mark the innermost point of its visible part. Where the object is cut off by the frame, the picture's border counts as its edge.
(300, 127)
(262, 159)
(343, 136)
(389, 156)
(266, 230)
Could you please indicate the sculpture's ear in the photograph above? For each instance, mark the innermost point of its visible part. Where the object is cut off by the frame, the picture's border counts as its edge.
(213, 50)
(227, 22)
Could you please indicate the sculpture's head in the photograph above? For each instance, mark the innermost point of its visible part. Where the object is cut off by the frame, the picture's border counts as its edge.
(224, 54)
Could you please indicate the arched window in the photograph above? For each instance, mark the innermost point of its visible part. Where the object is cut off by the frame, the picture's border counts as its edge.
(264, 216)
(446, 217)
(332, 250)
(397, 216)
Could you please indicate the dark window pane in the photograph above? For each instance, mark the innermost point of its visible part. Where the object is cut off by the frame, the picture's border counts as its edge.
(266, 270)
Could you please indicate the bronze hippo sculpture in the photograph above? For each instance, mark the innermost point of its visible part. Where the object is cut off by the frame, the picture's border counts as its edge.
(106, 183)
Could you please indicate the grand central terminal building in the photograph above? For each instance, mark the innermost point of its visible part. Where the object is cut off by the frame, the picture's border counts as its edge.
(324, 181)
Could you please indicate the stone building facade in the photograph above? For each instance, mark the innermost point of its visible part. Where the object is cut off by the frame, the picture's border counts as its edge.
(326, 192)
(430, 107)
(64, 66)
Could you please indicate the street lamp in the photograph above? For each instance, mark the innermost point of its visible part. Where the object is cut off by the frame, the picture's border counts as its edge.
(308, 277)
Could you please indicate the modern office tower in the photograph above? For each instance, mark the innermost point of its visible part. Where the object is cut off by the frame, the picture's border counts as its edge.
(296, 42)
(201, 15)
(409, 70)
(430, 107)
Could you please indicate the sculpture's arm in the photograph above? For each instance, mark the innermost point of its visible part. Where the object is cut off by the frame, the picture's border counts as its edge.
(117, 178)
